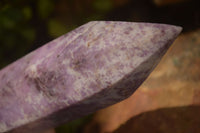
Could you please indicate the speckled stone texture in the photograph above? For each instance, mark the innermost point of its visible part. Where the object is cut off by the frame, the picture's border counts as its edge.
(92, 67)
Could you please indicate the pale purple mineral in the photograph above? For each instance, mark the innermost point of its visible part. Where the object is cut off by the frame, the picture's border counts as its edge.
(92, 67)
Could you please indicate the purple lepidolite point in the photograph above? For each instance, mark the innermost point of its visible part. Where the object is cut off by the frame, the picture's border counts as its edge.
(92, 67)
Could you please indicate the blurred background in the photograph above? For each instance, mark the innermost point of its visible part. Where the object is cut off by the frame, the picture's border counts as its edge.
(168, 101)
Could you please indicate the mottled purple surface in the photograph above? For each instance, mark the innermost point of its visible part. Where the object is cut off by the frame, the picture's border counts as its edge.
(93, 66)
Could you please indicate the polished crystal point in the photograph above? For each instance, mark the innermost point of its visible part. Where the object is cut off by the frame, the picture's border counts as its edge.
(91, 67)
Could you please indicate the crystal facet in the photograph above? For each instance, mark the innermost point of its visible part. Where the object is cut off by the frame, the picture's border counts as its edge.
(91, 67)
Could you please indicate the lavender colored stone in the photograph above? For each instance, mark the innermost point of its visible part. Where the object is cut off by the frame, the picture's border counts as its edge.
(92, 67)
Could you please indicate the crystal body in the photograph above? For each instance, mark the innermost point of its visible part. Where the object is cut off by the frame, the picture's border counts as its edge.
(89, 68)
